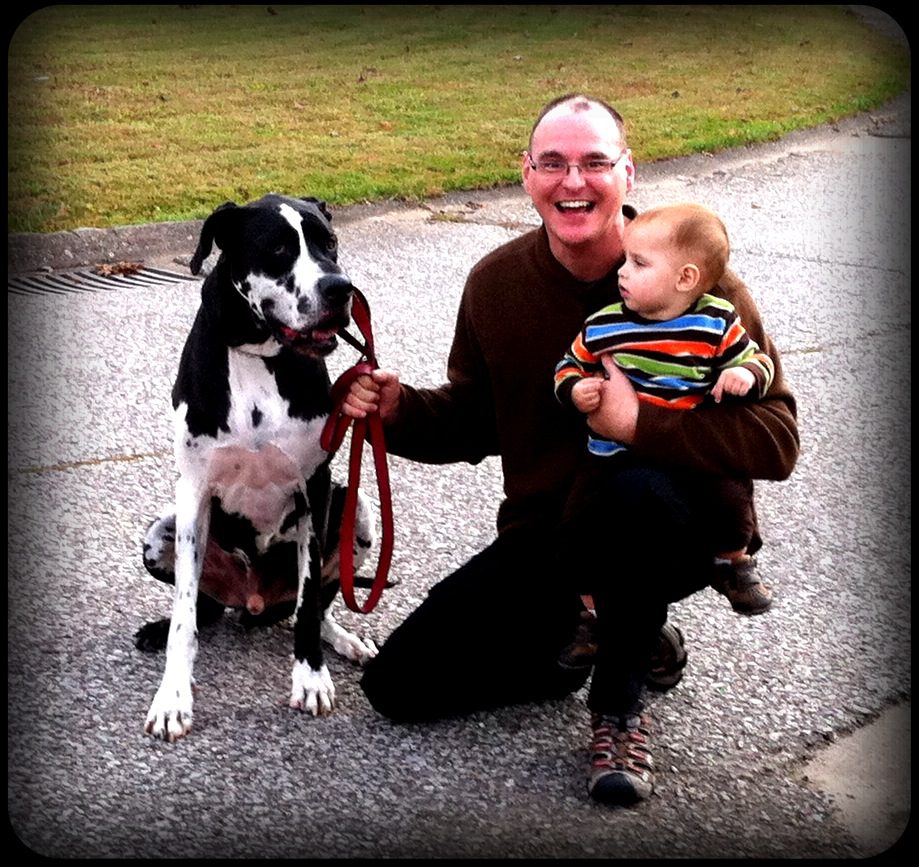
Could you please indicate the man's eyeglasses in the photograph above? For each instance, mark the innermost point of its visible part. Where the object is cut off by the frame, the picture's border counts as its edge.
(555, 166)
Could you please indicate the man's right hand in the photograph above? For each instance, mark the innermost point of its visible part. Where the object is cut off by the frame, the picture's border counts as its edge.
(617, 416)
(378, 390)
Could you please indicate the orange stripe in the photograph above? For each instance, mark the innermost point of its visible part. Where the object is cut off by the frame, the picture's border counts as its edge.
(733, 335)
(670, 347)
(581, 352)
(688, 402)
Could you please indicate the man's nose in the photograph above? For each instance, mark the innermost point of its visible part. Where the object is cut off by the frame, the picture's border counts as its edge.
(574, 177)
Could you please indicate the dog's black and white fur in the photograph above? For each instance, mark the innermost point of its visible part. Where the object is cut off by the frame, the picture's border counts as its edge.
(251, 525)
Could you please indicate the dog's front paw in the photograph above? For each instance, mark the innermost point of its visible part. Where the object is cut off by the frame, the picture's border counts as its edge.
(170, 714)
(358, 650)
(368, 652)
(345, 643)
(312, 690)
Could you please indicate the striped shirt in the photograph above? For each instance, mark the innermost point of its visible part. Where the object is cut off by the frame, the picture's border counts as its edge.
(674, 363)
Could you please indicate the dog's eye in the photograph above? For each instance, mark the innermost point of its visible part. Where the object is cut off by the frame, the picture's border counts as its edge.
(280, 250)
(331, 245)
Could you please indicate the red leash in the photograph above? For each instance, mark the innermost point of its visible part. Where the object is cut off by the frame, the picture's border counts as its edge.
(371, 429)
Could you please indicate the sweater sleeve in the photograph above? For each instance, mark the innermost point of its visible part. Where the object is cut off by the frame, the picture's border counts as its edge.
(746, 439)
(453, 422)
(577, 363)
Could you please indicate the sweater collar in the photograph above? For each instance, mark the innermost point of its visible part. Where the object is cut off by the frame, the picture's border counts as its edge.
(560, 275)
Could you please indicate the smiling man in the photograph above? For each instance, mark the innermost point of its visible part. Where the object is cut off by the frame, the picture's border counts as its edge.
(578, 170)
(492, 633)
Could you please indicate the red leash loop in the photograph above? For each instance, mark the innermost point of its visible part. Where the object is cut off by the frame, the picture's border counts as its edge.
(371, 430)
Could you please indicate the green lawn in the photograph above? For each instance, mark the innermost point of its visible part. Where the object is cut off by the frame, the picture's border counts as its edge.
(133, 114)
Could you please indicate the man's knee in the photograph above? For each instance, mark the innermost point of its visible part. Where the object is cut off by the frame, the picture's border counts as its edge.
(385, 694)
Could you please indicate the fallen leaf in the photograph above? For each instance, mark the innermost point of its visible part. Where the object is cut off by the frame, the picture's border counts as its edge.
(107, 269)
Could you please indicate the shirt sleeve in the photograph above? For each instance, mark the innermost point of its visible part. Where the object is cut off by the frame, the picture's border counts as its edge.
(738, 349)
(578, 363)
(453, 422)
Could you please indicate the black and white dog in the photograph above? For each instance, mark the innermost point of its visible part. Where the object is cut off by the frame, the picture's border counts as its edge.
(254, 525)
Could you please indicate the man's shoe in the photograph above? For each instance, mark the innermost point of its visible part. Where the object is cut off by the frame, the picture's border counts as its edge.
(668, 661)
(621, 767)
(667, 664)
(581, 652)
(739, 582)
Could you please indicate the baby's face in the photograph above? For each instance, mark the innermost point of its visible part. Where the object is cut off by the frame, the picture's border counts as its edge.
(648, 280)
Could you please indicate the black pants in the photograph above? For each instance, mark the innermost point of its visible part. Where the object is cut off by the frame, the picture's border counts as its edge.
(490, 634)
(637, 538)
(486, 636)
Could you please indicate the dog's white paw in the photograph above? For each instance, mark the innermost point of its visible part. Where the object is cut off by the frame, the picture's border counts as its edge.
(170, 715)
(346, 643)
(312, 691)
(370, 650)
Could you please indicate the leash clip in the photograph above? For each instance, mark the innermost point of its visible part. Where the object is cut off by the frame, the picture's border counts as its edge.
(371, 430)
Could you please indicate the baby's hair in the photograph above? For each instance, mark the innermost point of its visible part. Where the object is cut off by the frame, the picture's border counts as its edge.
(699, 233)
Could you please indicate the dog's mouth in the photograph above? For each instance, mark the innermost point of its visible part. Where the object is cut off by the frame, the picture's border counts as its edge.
(317, 341)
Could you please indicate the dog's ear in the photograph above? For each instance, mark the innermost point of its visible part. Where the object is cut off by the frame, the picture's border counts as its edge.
(211, 231)
(323, 207)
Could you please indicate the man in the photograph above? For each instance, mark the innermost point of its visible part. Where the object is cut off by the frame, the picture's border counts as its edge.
(491, 633)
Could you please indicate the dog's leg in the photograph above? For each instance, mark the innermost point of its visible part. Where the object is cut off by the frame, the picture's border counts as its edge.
(312, 688)
(346, 643)
(170, 715)
(364, 535)
(159, 560)
(153, 636)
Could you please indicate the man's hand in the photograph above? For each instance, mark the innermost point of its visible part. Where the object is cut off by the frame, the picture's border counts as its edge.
(617, 416)
(378, 390)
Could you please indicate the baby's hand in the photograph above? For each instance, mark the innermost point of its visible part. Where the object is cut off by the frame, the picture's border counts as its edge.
(736, 380)
(586, 394)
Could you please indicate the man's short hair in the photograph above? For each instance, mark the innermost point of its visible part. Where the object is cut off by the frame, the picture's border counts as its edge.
(579, 102)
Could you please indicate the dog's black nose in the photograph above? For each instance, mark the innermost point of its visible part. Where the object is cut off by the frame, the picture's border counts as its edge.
(334, 288)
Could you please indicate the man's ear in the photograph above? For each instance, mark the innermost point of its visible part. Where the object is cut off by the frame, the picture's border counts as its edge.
(688, 278)
(629, 172)
(525, 170)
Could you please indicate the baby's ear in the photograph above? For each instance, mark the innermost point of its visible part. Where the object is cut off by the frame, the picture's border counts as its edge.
(688, 278)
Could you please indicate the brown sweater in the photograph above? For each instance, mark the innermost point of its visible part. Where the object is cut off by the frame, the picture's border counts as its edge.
(519, 313)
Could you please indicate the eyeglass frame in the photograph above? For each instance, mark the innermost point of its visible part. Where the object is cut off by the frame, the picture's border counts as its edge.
(569, 166)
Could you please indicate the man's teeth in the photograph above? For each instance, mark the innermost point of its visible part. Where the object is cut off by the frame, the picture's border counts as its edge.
(573, 206)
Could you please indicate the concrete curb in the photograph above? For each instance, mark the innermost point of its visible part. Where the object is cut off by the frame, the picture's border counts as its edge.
(28, 252)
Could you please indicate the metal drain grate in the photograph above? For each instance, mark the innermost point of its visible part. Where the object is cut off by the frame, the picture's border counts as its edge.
(68, 282)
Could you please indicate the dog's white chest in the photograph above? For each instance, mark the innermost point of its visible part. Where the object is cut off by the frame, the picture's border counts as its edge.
(255, 483)
(264, 457)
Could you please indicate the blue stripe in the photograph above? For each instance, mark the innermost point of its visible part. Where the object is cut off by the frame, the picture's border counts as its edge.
(653, 383)
(608, 329)
(604, 448)
(695, 322)
(689, 322)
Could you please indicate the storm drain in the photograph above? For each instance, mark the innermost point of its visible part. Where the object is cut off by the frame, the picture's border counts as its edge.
(69, 282)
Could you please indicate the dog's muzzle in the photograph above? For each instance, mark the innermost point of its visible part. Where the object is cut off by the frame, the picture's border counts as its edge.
(321, 338)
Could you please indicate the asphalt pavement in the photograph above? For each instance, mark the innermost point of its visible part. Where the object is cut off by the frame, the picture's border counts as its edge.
(774, 744)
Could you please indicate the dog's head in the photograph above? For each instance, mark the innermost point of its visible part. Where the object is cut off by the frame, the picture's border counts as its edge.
(280, 255)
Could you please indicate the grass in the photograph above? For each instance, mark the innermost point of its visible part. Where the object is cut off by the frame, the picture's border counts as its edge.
(131, 114)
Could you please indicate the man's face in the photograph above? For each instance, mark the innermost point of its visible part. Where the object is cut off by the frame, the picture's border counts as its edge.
(577, 207)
